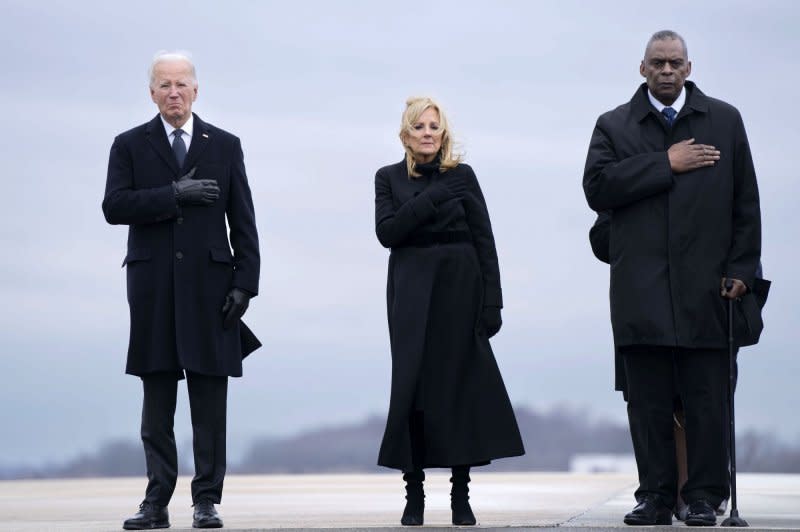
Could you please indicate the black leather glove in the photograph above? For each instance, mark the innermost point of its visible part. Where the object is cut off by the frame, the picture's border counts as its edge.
(190, 191)
(236, 303)
(492, 320)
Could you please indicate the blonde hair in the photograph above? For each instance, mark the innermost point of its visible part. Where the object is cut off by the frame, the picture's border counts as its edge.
(415, 106)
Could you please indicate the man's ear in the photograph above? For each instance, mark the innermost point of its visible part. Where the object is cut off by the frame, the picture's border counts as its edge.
(641, 69)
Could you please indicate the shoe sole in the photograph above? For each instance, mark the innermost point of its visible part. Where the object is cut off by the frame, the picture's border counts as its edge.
(151, 526)
(695, 521)
(642, 522)
(195, 524)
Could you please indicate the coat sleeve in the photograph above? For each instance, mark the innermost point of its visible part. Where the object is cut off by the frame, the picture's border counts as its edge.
(600, 237)
(124, 203)
(393, 226)
(242, 223)
(483, 239)
(745, 252)
(610, 182)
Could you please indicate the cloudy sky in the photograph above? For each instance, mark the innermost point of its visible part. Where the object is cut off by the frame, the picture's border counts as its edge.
(315, 91)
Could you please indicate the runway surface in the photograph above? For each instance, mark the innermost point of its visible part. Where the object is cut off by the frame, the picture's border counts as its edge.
(360, 502)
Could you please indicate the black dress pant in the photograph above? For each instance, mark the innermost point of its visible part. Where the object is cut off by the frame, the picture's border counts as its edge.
(700, 376)
(208, 403)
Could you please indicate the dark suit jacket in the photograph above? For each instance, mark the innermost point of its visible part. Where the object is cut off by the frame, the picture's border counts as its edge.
(179, 261)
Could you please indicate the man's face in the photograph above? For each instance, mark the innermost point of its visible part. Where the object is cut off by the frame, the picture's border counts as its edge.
(666, 67)
(173, 90)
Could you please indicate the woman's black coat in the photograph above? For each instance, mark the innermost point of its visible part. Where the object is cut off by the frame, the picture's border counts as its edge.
(435, 296)
(674, 236)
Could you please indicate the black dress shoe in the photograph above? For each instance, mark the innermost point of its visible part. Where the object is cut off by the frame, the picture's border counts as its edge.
(701, 514)
(205, 515)
(148, 517)
(651, 510)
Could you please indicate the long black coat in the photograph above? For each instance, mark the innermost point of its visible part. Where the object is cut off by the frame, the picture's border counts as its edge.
(673, 236)
(435, 296)
(179, 262)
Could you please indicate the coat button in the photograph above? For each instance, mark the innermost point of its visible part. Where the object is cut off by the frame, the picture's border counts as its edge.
(179, 255)
(179, 220)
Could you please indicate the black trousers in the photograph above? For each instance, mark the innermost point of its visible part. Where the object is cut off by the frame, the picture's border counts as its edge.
(208, 403)
(700, 376)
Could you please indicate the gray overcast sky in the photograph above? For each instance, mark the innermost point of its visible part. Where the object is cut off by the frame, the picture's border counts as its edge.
(315, 91)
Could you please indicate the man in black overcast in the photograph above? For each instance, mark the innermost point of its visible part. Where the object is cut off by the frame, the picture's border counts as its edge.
(175, 181)
(673, 169)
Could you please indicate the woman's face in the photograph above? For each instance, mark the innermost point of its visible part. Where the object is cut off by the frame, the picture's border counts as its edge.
(425, 138)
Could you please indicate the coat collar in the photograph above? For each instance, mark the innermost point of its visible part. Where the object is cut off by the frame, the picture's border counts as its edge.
(695, 101)
(160, 143)
(200, 140)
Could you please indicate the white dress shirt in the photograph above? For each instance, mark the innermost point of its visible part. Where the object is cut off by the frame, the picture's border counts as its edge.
(188, 129)
(677, 104)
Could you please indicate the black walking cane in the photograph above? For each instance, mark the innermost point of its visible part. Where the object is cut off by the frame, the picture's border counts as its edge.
(734, 519)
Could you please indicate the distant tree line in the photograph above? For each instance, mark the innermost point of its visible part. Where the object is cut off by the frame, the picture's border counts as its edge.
(551, 439)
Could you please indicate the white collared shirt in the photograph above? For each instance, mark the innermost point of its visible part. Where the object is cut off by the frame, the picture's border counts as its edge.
(677, 104)
(188, 129)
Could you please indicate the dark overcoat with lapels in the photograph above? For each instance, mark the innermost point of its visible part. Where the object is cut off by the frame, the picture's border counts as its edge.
(180, 262)
(673, 237)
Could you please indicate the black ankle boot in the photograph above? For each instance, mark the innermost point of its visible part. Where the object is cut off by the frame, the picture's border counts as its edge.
(413, 515)
(459, 497)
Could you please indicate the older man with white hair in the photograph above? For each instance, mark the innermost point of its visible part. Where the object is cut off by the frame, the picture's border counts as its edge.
(175, 181)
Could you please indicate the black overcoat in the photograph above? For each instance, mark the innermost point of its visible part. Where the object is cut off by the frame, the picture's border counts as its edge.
(673, 236)
(441, 358)
(179, 261)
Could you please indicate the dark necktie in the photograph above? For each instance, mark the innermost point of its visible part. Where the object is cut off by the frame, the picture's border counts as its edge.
(669, 113)
(179, 147)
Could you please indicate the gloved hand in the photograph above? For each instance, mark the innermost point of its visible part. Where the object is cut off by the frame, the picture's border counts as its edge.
(236, 303)
(438, 192)
(492, 320)
(190, 191)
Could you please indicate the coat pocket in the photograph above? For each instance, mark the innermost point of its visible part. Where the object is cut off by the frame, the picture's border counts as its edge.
(136, 255)
(221, 255)
(747, 322)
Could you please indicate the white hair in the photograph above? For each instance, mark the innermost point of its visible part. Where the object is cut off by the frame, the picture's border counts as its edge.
(166, 56)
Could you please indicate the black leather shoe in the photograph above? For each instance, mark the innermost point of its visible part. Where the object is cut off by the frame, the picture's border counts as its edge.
(651, 510)
(205, 515)
(701, 514)
(148, 517)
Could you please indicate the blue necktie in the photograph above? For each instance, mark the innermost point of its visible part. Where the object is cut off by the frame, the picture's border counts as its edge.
(179, 147)
(669, 113)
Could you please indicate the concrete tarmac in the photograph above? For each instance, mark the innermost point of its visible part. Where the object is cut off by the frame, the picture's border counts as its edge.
(361, 502)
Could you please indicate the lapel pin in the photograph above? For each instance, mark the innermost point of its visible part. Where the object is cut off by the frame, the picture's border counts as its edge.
(205, 135)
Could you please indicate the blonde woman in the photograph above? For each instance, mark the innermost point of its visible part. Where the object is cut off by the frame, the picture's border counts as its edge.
(449, 406)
